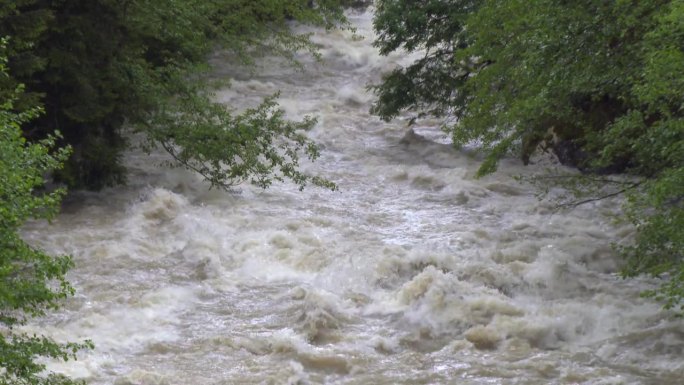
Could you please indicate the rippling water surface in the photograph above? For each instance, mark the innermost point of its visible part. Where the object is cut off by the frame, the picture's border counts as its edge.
(413, 273)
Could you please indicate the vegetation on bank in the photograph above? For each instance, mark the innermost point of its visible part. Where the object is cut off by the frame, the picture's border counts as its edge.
(601, 84)
(31, 282)
(97, 66)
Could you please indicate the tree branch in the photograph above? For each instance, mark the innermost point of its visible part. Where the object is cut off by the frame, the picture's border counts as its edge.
(575, 204)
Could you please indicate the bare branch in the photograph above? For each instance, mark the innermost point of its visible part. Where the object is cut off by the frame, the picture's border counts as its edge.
(575, 204)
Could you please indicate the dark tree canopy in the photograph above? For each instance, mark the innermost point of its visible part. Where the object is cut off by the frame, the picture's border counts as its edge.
(99, 65)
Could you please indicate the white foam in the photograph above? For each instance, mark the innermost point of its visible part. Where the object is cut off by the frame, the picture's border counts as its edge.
(413, 264)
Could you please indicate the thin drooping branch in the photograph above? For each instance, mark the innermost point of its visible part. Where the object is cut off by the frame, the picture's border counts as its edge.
(578, 203)
(587, 178)
(201, 171)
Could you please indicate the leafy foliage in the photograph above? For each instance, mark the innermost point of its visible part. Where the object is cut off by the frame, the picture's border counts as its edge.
(257, 146)
(97, 65)
(31, 281)
(599, 83)
(432, 85)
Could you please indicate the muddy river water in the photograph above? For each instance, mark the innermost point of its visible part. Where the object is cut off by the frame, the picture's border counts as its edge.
(414, 272)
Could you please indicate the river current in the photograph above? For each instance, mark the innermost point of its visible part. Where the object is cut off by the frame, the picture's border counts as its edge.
(414, 272)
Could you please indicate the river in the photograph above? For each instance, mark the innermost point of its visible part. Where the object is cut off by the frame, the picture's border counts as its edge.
(414, 272)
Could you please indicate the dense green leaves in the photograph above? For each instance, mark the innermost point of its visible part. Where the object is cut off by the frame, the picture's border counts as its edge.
(30, 280)
(600, 83)
(257, 145)
(431, 85)
(99, 65)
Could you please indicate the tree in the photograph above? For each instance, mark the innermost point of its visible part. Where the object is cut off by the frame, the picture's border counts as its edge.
(432, 85)
(31, 281)
(98, 66)
(599, 83)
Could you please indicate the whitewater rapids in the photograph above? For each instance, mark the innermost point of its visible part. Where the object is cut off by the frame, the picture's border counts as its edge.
(414, 272)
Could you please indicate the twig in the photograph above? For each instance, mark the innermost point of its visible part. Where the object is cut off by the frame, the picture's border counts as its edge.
(575, 204)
